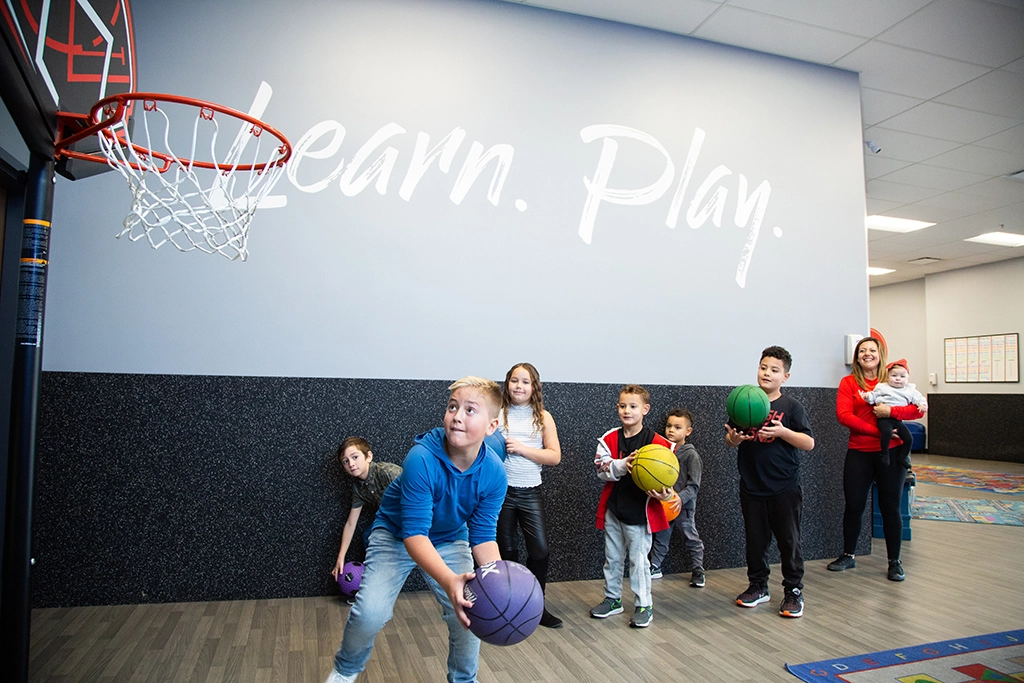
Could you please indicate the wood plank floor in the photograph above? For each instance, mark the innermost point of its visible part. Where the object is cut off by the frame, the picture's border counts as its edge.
(962, 580)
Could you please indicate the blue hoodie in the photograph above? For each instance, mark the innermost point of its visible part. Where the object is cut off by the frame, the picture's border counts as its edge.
(433, 498)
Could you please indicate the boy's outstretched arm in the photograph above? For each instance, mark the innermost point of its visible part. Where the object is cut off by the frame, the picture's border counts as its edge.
(424, 554)
(346, 539)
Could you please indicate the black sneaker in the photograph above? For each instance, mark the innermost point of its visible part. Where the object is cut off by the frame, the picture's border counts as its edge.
(607, 608)
(642, 617)
(753, 596)
(656, 571)
(697, 578)
(842, 563)
(549, 620)
(792, 604)
(895, 571)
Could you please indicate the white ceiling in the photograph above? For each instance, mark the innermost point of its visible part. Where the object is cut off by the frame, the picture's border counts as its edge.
(942, 95)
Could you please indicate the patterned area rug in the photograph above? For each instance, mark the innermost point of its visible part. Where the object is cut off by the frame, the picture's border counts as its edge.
(970, 479)
(995, 657)
(1006, 512)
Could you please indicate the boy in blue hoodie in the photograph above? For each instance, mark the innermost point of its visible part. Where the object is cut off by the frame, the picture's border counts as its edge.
(438, 515)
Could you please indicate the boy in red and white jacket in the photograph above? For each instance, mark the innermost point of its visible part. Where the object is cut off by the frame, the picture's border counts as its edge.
(627, 514)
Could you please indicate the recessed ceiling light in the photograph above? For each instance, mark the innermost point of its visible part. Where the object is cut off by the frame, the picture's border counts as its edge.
(879, 271)
(1000, 239)
(891, 224)
(924, 260)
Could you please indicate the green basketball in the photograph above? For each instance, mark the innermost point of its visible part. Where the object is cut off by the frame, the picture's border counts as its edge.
(655, 468)
(748, 406)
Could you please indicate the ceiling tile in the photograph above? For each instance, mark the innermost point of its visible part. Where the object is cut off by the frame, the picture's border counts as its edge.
(962, 201)
(774, 35)
(865, 18)
(1011, 140)
(997, 92)
(896, 192)
(876, 166)
(969, 30)
(950, 123)
(922, 175)
(1017, 66)
(990, 162)
(907, 72)
(878, 105)
(878, 206)
(1012, 191)
(907, 146)
(677, 16)
(928, 212)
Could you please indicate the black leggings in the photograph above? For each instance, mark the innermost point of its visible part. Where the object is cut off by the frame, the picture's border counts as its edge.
(887, 425)
(524, 508)
(860, 471)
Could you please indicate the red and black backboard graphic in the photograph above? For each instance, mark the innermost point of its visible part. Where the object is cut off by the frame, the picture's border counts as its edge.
(63, 55)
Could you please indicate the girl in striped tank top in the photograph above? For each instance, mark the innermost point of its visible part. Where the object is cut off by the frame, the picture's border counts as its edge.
(531, 441)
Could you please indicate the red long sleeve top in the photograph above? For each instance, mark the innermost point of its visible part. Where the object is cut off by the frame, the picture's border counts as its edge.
(858, 415)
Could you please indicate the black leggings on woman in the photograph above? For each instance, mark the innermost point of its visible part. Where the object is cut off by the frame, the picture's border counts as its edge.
(524, 508)
(860, 471)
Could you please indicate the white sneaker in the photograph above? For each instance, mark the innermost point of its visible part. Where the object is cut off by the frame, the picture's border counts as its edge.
(336, 677)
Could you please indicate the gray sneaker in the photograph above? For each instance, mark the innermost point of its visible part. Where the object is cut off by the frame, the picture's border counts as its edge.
(642, 617)
(607, 608)
(697, 578)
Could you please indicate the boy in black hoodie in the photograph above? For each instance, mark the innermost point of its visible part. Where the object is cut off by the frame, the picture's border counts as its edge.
(678, 426)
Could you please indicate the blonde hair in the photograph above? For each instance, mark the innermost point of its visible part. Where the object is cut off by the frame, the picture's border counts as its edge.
(536, 398)
(858, 371)
(490, 391)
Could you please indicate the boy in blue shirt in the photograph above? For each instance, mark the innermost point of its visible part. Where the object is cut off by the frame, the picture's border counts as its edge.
(439, 515)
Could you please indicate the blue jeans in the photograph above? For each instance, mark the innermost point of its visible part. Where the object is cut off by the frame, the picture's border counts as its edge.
(622, 542)
(387, 566)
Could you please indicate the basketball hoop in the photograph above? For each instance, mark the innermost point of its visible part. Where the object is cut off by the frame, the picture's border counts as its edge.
(189, 203)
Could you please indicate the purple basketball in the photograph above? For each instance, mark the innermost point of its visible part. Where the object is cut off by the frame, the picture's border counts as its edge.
(349, 578)
(507, 603)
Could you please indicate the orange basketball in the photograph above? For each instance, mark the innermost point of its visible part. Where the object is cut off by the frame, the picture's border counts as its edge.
(673, 506)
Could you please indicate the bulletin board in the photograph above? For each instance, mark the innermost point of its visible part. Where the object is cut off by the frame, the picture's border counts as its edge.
(989, 358)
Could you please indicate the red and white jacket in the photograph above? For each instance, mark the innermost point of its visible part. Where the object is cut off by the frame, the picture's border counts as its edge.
(608, 451)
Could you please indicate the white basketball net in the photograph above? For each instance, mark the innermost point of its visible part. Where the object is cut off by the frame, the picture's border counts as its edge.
(188, 206)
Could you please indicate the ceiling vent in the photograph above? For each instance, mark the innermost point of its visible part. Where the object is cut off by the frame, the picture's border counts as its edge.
(923, 260)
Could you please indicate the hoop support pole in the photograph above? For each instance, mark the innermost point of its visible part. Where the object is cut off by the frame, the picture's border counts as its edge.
(16, 602)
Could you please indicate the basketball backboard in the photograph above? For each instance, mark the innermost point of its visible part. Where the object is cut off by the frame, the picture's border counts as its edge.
(62, 56)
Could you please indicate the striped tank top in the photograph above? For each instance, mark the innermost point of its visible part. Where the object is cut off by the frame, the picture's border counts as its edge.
(522, 472)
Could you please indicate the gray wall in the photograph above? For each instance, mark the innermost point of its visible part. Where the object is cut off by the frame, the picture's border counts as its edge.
(969, 420)
(369, 284)
(191, 404)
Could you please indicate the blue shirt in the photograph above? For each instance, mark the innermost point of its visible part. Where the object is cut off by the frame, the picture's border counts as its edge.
(434, 498)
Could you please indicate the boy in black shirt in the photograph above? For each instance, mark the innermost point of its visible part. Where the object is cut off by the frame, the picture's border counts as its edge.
(627, 514)
(770, 495)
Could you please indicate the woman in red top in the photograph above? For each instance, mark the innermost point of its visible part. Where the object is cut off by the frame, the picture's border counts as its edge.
(863, 462)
